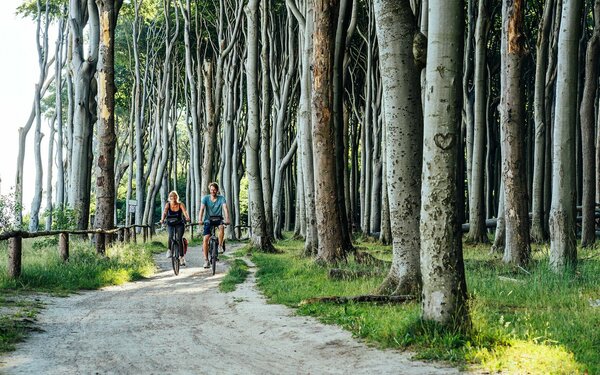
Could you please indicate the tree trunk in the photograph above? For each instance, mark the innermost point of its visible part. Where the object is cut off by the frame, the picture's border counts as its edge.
(517, 249)
(563, 246)
(328, 217)
(477, 231)
(444, 285)
(396, 27)
(260, 240)
(105, 169)
(49, 207)
(538, 233)
(587, 115)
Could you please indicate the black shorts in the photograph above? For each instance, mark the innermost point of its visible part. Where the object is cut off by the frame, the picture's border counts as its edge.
(208, 225)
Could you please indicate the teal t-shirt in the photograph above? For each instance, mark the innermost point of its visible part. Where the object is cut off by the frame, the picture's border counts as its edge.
(213, 208)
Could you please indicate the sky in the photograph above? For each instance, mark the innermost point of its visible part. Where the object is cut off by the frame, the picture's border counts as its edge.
(18, 74)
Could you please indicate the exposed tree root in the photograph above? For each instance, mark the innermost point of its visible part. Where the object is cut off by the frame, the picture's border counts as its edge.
(342, 274)
(362, 298)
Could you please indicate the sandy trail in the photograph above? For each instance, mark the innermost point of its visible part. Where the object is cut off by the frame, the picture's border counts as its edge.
(184, 325)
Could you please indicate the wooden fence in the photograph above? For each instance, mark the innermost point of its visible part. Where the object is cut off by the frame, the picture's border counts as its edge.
(102, 238)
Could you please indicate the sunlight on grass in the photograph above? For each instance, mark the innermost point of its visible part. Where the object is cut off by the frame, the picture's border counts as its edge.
(524, 321)
(525, 357)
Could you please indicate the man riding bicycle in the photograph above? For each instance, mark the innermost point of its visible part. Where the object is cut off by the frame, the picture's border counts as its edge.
(213, 205)
(174, 214)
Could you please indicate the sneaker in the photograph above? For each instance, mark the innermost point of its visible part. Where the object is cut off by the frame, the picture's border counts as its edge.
(168, 255)
(182, 261)
(221, 249)
(206, 264)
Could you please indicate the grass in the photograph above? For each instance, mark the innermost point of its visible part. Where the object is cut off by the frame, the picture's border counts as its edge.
(237, 274)
(44, 272)
(541, 323)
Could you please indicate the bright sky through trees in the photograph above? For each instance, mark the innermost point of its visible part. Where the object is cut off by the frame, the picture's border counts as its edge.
(18, 73)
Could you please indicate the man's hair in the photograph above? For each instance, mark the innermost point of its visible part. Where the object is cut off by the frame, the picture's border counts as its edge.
(215, 185)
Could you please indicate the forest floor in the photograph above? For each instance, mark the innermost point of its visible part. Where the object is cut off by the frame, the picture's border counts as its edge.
(185, 325)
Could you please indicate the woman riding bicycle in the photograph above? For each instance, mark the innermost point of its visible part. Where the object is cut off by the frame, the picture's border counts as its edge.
(213, 205)
(174, 213)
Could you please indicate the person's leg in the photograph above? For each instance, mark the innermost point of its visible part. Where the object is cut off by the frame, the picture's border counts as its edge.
(171, 232)
(179, 233)
(221, 235)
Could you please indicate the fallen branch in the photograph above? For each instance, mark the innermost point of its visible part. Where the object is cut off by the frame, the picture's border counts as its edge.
(363, 298)
(504, 278)
(362, 257)
(339, 274)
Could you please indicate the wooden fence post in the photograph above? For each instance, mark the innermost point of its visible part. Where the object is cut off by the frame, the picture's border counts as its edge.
(145, 234)
(134, 234)
(191, 232)
(126, 234)
(121, 235)
(63, 245)
(14, 256)
(100, 243)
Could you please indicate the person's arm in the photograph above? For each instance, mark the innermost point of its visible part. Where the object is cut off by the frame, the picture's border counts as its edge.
(226, 212)
(185, 214)
(164, 214)
(201, 215)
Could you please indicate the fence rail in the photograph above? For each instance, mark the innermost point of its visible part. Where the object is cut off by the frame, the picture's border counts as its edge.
(103, 237)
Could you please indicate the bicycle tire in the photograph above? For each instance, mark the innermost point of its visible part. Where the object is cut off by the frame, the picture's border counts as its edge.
(213, 255)
(175, 259)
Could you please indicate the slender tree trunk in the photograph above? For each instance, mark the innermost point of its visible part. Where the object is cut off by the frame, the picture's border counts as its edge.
(538, 233)
(517, 249)
(60, 170)
(260, 239)
(49, 207)
(442, 268)
(477, 231)
(563, 249)
(587, 115)
(396, 27)
(329, 226)
(105, 169)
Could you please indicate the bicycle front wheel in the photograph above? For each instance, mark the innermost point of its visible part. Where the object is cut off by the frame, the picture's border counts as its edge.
(213, 256)
(175, 259)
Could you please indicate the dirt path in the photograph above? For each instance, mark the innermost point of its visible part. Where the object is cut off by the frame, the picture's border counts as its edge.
(184, 325)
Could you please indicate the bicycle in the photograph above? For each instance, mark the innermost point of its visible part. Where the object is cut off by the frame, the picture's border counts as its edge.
(213, 244)
(176, 248)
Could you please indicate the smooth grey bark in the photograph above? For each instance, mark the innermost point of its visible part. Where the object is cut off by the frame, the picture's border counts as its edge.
(259, 239)
(83, 67)
(444, 297)
(284, 103)
(49, 207)
(58, 65)
(366, 140)
(193, 112)
(42, 50)
(140, 182)
(537, 232)
(210, 129)
(376, 177)
(385, 235)
(563, 246)
(588, 122)
(265, 121)
(477, 232)
(396, 27)
(304, 124)
(517, 249)
(500, 235)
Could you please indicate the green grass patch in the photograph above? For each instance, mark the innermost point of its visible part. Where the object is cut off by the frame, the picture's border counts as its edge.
(523, 322)
(44, 272)
(238, 271)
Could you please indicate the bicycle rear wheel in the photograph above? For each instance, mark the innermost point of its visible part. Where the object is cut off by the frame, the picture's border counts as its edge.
(175, 258)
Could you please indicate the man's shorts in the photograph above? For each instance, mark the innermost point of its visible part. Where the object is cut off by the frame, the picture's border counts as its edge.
(207, 226)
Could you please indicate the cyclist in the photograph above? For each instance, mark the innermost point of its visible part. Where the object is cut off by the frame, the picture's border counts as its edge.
(213, 204)
(174, 214)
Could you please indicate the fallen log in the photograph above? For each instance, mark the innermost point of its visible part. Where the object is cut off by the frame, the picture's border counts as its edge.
(362, 298)
(342, 274)
(362, 257)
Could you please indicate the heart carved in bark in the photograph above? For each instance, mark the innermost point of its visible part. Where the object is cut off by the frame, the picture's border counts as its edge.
(444, 141)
